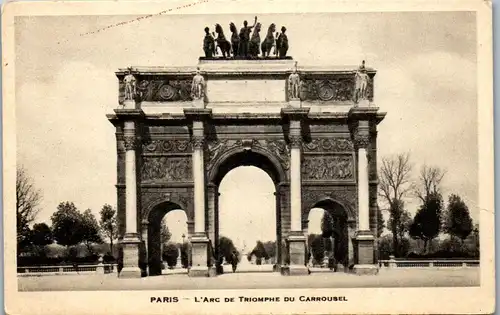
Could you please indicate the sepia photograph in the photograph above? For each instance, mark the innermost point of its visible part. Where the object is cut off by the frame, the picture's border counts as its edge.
(180, 158)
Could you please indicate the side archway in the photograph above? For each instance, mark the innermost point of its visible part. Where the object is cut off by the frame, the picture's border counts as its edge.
(153, 231)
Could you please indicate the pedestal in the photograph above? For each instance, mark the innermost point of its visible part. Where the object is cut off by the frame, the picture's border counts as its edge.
(295, 103)
(199, 103)
(199, 254)
(130, 258)
(364, 247)
(297, 248)
(129, 104)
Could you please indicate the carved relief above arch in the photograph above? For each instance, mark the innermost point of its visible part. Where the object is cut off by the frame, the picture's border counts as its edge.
(275, 150)
(152, 198)
(346, 196)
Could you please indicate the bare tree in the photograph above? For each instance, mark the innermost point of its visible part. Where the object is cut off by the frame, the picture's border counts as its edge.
(429, 180)
(394, 185)
(28, 199)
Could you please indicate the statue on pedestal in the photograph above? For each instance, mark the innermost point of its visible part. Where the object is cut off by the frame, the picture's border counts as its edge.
(361, 85)
(269, 42)
(245, 38)
(222, 42)
(294, 84)
(235, 39)
(198, 86)
(208, 44)
(130, 85)
(282, 43)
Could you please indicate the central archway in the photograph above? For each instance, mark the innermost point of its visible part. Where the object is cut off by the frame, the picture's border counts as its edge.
(232, 160)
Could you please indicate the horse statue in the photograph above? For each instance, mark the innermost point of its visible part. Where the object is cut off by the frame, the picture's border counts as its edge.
(235, 39)
(222, 42)
(254, 44)
(269, 41)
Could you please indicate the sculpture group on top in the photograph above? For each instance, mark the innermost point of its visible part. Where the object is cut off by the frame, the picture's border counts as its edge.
(245, 44)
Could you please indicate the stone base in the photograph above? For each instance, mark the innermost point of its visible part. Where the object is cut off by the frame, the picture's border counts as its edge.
(130, 272)
(296, 103)
(128, 104)
(199, 103)
(365, 248)
(365, 269)
(131, 250)
(202, 272)
(295, 270)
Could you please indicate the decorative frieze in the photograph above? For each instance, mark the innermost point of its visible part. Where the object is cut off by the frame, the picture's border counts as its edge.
(166, 169)
(167, 146)
(330, 167)
(340, 89)
(164, 90)
(328, 145)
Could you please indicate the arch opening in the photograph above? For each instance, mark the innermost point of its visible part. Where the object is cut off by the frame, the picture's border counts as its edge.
(166, 230)
(328, 240)
(247, 208)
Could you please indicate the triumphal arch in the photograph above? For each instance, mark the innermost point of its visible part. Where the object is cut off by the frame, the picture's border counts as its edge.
(312, 129)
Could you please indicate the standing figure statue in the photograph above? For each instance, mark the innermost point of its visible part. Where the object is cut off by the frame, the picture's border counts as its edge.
(235, 39)
(282, 43)
(294, 84)
(130, 85)
(245, 38)
(269, 42)
(222, 42)
(361, 85)
(254, 46)
(208, 44)
(198, 86)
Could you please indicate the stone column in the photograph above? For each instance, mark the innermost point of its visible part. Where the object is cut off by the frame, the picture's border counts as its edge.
(364, 237)
(200, 244)
(296, 239)
(130, 242)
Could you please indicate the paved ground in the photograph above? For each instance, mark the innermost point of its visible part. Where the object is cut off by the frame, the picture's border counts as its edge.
(425, 277)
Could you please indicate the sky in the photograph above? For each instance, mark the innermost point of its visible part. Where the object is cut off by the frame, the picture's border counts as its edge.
(65, 85)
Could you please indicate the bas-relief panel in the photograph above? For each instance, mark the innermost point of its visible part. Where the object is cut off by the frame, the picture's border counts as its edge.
(330, 167)
(163, 169)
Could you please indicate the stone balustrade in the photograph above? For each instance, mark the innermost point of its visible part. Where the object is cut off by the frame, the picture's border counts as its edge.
(434, 263)
(67, 269)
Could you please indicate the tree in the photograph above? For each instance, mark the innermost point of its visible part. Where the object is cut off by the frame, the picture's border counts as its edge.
(185, 251)
(90, 230)
(394, 186)
(108, 225)
(427, 222)
(67, 224)
(170, 254)
(226, 248)
(430, 178)
(165, 232)
(28, 199)
(457, 220)
(260, 252)
(270, 247)
(41, 235)
(328, 232)
(317, 248)
(380, 223)
(401, 226)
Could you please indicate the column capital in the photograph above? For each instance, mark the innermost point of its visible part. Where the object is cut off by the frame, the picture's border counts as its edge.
(197, 142)
(130, 142)
(361, 141)
(295, 141)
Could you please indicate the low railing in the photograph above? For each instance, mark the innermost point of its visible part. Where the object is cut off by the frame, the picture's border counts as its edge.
(394, 263)
(67, 269)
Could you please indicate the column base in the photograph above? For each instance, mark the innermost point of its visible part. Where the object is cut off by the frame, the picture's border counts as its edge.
(297, 247)
(365, 269)
(199, 271)
(296, 103)
(199, 103)
(295, 270)
(130, 245)
(364, 248)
